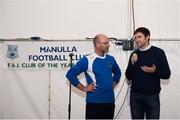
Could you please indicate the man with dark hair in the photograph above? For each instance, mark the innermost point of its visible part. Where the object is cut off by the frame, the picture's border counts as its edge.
(102, 74)
(147, 65)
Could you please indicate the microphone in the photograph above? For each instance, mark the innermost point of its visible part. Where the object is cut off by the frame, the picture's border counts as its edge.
(134, 58)
(71, 54)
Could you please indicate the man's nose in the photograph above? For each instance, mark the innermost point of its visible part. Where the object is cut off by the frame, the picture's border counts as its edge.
(108, 45)
(136, 40)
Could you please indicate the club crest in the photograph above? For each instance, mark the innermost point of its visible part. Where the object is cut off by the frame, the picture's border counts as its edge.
(12, 52)
(109, 65)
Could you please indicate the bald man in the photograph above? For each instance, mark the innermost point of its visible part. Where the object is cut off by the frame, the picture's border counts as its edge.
(102, 75)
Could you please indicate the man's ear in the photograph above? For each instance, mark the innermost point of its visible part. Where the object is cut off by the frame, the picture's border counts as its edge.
(148, 37)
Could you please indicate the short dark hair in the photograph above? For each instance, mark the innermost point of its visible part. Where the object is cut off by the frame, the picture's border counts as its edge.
(143, 30)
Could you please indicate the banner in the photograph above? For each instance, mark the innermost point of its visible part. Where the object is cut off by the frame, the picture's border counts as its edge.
(42, 54)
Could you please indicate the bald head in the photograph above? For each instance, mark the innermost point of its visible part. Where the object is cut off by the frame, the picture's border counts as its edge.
(99, 38)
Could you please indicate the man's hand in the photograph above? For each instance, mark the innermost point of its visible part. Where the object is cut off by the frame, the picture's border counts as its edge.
(128, 81)
(149, 69)
(134, 58)
(90, 88)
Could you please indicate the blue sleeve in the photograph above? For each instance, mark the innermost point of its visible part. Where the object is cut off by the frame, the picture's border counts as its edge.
(73, 72)
(116, 72)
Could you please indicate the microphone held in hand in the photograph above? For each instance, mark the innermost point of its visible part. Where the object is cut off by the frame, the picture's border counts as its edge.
(134, 58)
